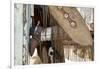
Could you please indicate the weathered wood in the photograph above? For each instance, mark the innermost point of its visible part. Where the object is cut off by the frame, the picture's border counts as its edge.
(57, 41)
(80, 32)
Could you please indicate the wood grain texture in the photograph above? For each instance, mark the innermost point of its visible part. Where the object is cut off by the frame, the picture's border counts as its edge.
(80, 34)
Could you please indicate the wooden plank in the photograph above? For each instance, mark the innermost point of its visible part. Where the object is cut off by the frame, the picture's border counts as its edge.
(80, 32)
